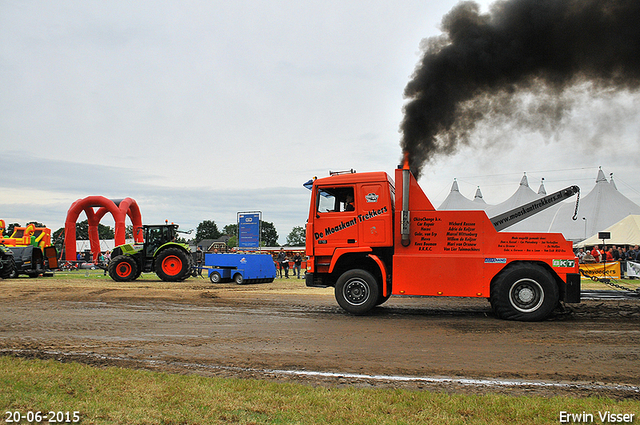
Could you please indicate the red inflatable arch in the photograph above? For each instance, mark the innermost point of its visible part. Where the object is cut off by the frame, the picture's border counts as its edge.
(119, 209)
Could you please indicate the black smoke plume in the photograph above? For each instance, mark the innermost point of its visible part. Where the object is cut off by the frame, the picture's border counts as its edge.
(494, 64)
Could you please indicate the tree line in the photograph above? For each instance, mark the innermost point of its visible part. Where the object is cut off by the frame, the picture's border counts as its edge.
(207, 229)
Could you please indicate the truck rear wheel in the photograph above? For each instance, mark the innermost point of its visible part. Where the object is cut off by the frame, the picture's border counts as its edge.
(357, 291)
(525, 292)
(123, 268)
(238, 279)
(173, 265)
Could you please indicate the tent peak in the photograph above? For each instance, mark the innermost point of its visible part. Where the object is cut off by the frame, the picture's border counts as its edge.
(612, 182)
(541, 189)
(454, 186)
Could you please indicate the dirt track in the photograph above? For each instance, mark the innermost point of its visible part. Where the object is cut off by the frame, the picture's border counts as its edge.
(253, 330)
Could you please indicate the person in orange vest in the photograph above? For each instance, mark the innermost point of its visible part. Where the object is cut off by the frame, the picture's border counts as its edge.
(608, 254)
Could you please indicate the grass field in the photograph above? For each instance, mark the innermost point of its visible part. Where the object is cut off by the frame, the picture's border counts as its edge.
(121, 396)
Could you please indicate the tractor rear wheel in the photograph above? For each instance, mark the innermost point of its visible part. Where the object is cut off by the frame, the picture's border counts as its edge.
(173, 265)
(123, 268)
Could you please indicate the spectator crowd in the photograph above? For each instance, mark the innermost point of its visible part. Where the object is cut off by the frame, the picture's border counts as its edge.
(598, 254)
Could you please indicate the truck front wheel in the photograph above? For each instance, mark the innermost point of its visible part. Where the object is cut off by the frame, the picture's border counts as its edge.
(357, 291)
(525, 292)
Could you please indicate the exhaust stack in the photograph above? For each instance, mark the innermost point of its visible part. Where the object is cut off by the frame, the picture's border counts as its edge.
(405, 220)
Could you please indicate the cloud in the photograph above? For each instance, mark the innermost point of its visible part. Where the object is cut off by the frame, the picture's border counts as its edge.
(45, 193)
(202, 109)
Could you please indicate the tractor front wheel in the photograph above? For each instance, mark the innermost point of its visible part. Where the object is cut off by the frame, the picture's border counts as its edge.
(173, 265)
(123, 268)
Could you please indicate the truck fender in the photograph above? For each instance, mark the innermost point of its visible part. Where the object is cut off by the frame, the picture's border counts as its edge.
(386, 290)
(339, 252)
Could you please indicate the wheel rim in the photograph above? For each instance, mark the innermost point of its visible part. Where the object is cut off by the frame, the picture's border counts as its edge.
(171, 265)
(215, 277)
(526, 295)
(124, 269)
(356, 291)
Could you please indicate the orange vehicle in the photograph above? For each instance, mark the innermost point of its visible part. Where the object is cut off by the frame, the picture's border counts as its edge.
(370, 241)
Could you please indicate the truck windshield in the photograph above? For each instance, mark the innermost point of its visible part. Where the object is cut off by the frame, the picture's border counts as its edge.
(335, 199)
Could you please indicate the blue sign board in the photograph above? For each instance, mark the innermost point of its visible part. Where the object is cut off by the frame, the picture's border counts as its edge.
(249, 229)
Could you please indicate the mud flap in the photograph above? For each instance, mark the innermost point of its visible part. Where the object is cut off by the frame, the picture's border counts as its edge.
(311, 281)
(572, 288)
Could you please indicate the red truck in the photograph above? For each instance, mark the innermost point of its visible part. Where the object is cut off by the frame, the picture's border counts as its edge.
(370, 241)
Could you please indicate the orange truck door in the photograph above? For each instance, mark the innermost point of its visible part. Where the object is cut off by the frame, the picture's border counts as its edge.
(335, 221)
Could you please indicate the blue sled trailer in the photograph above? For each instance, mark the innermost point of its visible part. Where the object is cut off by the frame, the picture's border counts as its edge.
(240, 268)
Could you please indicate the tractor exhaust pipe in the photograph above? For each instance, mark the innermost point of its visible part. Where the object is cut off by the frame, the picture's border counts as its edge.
(405, 220)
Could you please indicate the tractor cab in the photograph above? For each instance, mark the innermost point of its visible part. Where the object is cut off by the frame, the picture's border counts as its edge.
(157, 235)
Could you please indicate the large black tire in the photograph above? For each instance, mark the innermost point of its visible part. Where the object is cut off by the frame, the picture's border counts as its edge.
(357, 291)
(173, 265)
(9, 270)
(238, 279)
(525, 292)
(123, 268)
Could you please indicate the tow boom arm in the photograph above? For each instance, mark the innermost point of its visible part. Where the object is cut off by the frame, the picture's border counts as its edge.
(509, 218)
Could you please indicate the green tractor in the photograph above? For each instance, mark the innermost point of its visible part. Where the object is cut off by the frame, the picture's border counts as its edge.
(170, 260)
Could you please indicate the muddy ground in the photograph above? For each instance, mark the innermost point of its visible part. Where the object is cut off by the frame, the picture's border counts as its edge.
(285, 331)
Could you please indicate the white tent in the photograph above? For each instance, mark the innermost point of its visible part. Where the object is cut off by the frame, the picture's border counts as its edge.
(521, 196)
(105, 245)
(479, 202)
(599, 209)
(624, 232)
(603, 206)
(456, 200)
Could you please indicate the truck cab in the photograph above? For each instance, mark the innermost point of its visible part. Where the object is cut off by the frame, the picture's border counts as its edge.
(350, 218)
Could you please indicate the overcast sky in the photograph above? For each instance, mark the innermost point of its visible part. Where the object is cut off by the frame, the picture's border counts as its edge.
(201, 109)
